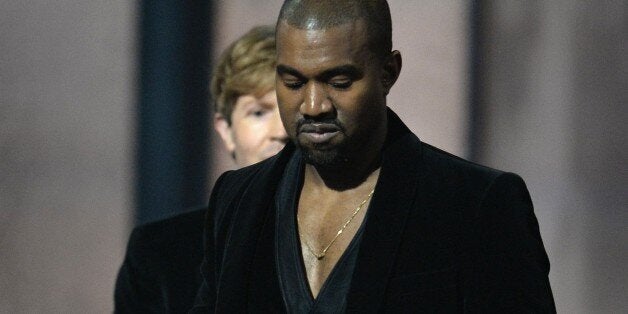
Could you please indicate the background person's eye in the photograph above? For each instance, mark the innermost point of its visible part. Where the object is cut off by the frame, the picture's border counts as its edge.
(259, 113)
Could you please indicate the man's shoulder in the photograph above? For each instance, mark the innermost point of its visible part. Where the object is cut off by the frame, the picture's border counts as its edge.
(154, 248)
(437, 157)
(173, 230)
(406, 147)
(232, 182)
(243, 174)
(409, 149)
(438, 176)
(445, 171)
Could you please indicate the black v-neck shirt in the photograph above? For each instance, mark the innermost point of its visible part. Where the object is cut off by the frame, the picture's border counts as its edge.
(295, 289)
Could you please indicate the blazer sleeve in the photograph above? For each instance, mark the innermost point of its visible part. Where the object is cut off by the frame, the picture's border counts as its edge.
(206, 296)
(511, 267)
(135, 291)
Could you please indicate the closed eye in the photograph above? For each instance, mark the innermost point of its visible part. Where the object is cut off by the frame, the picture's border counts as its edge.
(294, 85)
(290, 78)
(341, 83)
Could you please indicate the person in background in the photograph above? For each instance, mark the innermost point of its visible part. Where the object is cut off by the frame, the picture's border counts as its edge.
(160, 272)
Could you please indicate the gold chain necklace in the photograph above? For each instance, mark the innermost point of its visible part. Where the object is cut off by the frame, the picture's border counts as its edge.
(321, 255)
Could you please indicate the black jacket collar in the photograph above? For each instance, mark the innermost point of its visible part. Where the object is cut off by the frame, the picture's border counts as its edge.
(394, 196)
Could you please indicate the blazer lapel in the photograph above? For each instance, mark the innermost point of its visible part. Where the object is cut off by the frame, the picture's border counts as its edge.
(394, 197)
(251, 214)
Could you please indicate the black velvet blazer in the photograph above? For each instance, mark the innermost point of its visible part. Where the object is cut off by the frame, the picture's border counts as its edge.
(443, 235)
(161, 269)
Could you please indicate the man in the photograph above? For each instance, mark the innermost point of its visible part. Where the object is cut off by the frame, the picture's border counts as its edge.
(160, 271)
(356, 214)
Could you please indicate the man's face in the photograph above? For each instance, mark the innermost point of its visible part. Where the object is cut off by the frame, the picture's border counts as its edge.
(256, 131)
(330, 91)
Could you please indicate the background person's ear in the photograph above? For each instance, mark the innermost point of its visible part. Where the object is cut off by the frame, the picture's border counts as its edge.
(391, 70)
(222, 126)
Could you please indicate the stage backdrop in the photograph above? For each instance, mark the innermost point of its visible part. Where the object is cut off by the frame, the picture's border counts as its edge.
(66, 152)
(553, 108)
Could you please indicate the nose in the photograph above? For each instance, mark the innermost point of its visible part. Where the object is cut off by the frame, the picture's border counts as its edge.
(276, 129)
(315, 101)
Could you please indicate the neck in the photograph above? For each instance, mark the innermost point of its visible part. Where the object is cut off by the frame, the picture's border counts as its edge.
(344, 177)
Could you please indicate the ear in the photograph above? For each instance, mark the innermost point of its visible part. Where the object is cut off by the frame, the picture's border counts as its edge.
(221, 125)
(391, 70)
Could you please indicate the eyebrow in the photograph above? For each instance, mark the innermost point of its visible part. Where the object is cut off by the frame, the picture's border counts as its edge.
(284, 69)
(349, 70)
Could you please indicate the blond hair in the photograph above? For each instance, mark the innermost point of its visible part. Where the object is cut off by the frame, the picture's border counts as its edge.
(247, 66)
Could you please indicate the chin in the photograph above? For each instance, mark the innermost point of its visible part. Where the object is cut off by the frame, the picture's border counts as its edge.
(322, 154)
(330, 158)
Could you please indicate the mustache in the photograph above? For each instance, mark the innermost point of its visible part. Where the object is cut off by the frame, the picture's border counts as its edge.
(329, 122)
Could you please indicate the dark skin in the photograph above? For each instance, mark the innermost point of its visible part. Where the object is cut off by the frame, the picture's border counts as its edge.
(330, 75)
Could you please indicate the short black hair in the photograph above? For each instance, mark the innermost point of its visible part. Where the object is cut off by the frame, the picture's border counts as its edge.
(321, 14)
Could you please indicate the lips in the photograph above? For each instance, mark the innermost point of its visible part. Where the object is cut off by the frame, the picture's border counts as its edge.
(318, 132)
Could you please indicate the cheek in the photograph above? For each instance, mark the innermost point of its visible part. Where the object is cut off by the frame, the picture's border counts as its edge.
(288, 116)
(353, 105)
(287, 120)
(359, 110)
(248, 136)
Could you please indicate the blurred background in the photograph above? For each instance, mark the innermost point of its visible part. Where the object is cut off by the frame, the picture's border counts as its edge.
(104, 124)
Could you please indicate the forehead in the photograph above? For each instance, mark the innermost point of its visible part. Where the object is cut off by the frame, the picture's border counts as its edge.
(305, 48)
(268, 99)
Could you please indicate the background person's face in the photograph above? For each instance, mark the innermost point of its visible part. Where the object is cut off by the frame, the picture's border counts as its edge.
(256, 131)
(329, 87)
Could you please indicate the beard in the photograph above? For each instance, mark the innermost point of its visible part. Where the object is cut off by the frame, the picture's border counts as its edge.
(324, 155)
(326, 158)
